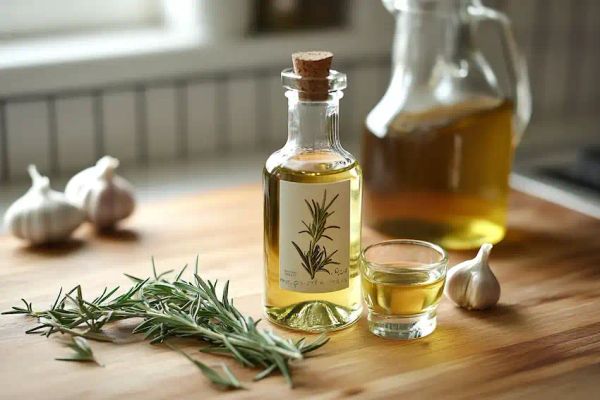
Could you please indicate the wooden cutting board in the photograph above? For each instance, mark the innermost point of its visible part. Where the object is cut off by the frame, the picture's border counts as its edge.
(542, 341)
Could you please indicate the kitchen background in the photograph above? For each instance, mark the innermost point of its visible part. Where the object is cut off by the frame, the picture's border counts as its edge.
(197, 82)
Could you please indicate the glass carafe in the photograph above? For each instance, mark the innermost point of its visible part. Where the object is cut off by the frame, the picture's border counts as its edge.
(438, 147)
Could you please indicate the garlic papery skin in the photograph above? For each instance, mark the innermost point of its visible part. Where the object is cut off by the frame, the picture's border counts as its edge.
(472, 284)
(105, 197)
(42, 215)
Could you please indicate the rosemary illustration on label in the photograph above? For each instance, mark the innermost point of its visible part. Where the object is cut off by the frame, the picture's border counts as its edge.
(314, 236)
(315, 258)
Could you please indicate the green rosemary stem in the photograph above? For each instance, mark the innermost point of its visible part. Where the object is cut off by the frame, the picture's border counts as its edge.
(236, 340)
(84, 334)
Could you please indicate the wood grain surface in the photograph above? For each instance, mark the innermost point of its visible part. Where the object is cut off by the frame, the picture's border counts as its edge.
(542, 341)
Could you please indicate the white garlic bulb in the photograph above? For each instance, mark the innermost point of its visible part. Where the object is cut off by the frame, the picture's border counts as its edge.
(42, 215)
(105, 197)
(471, 284)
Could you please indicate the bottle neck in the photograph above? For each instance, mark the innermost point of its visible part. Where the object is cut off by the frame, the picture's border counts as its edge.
(427, 39)
(313, 125)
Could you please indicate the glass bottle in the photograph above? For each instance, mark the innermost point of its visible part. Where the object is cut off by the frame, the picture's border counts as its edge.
(312, 211)
(438, 147)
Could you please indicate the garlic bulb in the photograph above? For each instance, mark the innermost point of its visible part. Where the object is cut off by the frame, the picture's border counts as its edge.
(471, 284)
(42, 215)
(105, 197)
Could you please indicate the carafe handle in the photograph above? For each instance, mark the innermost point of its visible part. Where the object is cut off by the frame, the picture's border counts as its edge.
(516, 65)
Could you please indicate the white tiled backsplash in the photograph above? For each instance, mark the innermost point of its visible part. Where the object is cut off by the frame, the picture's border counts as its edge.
(150, 122)
(186, 116)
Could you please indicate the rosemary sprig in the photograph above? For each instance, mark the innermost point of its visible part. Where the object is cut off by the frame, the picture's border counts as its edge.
(174, 308)
(226, 380)
(83, 351)
(315, 258)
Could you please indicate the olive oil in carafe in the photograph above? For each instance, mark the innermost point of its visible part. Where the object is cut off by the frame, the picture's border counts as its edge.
(441, 175)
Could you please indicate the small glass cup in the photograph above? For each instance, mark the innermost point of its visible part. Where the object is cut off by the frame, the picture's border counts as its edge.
(403, 281)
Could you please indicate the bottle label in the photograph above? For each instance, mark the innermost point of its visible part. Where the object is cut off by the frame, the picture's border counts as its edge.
(314, 236)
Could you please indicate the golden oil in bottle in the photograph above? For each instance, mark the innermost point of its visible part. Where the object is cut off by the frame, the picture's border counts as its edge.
(312, 311)
(312, 208)
(408, 293)
(441, 175)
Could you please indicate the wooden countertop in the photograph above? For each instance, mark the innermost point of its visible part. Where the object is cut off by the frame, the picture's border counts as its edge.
(542, 341)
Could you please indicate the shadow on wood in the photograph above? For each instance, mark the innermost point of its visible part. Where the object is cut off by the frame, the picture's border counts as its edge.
(118, 235)
(501, 314)
(54, 249)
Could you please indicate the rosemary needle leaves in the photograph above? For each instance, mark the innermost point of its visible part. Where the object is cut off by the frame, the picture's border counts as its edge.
(171, 308)
(226, 380)
(82, 351)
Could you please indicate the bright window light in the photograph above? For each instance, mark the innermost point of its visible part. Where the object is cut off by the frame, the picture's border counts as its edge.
(34, 18)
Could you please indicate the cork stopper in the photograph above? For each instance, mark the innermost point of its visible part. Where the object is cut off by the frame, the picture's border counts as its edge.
(313, 67)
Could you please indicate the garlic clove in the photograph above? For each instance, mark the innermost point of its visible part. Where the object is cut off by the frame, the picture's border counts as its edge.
(42, 215)
(472, 284)
(105, 196)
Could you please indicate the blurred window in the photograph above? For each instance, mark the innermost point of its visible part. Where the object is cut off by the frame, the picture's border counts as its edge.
(31, 18)
(296, 15)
